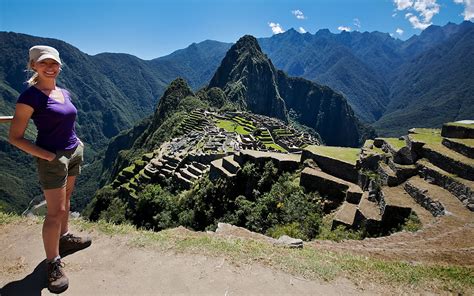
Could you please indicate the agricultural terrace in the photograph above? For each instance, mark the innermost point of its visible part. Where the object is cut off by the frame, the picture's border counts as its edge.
(349, 155)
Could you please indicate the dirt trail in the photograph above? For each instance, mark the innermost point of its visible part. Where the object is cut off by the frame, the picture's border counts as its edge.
(112, 267)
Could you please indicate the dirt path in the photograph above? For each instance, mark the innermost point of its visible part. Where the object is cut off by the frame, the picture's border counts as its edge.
(112, 267)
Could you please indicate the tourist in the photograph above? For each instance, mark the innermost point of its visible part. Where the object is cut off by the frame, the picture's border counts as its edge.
(58, 153)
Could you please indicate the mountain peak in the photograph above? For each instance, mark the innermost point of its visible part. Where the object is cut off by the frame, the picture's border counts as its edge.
(247, 77)
(248, 42)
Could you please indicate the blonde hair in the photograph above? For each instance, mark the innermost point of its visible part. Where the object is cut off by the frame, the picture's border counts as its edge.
(33, 80)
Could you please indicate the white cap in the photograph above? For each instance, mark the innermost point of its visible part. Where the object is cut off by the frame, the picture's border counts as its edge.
(42, 52)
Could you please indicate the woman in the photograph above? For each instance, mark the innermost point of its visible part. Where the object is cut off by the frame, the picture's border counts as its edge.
(58, 152)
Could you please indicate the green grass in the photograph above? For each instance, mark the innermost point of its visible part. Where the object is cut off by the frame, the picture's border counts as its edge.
(349, 155)
(276, 147)
(427, 136)
(432, 139)
(396, 143)
(369, 143)
(6, 218)
(231, 126)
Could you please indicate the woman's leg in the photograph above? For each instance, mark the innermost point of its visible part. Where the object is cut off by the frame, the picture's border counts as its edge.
(56, 210)
(71, 180)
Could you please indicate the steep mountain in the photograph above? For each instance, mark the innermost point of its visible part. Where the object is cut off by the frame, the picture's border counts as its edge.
(339, 61)
(197, 63)
(434, 87)
(249, 79)
(430, 37)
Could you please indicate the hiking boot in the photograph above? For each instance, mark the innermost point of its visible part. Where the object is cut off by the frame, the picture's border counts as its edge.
(70, 243)
(57, 280)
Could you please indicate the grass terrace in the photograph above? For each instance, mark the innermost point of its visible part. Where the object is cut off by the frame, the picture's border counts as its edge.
(395, 143)
(426, 135)
(232, 126)
(432, 139)
(280, 132)
(369, 145)
(276, 147)
(465, 125)
(346, 154)
(466, 142)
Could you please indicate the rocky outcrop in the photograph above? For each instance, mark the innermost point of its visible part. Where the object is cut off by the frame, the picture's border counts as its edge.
(225, 229)
(247, 77)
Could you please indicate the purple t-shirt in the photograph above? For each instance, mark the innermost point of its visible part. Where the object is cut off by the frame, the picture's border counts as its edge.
(55, 121)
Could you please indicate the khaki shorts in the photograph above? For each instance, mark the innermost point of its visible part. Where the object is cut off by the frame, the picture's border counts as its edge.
(53, 174)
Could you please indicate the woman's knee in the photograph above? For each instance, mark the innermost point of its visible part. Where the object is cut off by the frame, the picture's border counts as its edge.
(57, 214)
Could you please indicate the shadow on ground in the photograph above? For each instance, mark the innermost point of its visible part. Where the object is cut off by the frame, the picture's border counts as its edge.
(32, 284)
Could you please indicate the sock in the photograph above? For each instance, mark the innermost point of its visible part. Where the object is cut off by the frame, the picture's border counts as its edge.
(54, 259)
(64, 234)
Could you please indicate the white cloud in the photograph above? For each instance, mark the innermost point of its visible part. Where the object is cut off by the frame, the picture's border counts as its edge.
(344, 28)
(399, 31)
(416, 23)
(357, 23)
(468, 9)
(299, 14)
(276, 28)
(394, 14)
(301, 30)
(403, 4)
(425, 11)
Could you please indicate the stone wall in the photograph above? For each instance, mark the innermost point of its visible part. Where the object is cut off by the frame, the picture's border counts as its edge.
(421, 197)
(453, 131)
(458, 147)
(313, 181)
(463, 192)
(284, 162)
(459, 168)
(340, 169)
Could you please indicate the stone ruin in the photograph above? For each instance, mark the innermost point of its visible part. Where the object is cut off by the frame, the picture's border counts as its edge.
(378, 191)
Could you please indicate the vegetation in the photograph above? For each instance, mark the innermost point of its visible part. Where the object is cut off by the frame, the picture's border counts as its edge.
(269, 203)
(395, 143)
(350, 155)
(427, 136)
(232, 126)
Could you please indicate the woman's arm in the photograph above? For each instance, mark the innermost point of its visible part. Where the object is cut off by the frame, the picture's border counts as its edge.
(16, 136)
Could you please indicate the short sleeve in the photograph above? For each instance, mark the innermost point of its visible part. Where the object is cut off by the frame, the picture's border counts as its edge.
(30, 98)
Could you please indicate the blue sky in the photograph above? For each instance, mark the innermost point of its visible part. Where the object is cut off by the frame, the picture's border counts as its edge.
(153, 28)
